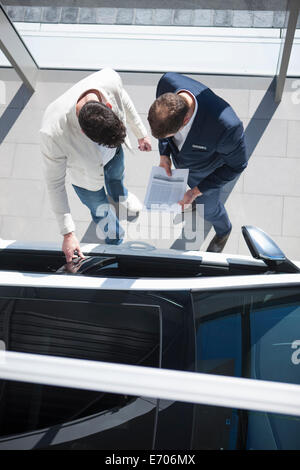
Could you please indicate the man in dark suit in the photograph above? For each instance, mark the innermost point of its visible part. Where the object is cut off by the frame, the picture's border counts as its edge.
(201, 132)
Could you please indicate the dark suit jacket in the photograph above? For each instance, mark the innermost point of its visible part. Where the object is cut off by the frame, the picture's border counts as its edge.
(214, 150)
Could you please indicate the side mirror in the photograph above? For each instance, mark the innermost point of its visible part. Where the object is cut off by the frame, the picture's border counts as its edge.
(262, 247)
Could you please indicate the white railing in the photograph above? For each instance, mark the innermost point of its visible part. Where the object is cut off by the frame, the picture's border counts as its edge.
(231, 392)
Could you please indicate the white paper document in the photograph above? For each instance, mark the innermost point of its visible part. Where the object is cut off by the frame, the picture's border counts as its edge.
(164, 192)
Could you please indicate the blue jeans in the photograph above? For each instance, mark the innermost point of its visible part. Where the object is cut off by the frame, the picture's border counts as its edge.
(103, 214)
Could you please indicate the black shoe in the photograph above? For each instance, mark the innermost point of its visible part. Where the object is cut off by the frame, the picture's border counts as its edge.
(217, 244)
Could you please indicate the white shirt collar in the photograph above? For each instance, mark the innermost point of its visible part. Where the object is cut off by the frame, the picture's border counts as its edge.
(180, 136)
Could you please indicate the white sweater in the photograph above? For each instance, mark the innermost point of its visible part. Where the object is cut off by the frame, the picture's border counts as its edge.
(64, 146)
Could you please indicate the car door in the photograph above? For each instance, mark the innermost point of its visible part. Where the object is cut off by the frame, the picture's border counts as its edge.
(122, 326)
(250, 332)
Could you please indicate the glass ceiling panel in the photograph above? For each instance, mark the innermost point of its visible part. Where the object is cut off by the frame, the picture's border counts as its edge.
(201, 36)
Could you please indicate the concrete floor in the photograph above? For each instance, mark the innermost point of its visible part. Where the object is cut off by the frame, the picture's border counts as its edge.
(266, 195)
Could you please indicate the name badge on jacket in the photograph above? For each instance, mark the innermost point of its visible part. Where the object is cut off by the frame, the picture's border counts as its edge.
(199, 147)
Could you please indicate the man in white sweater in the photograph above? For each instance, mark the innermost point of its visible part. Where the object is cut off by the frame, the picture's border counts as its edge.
(83, 131)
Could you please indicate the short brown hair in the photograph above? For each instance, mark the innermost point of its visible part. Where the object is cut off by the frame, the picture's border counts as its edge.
(101, 124)
(166, 114)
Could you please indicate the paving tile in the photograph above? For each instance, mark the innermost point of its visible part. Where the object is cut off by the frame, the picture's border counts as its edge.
(47, 211)
(7, 155)
(237, 185)
(86, 233)
(273, 176)
(290, 246)
(55, 77)
(243, 210)
(242, 19)
(3, 98)
(8, 120)
(234, 82)
(12, 94)
(138, 231)
(293, 144)
(26, 127)
(222, 18)
(142, 97)
(28, 162)
(78, 210)
(242, 248)
(152, 218)
(147, 228)
(87, 16)
(238, 100)
(203, 17)
(46, 92)
(138, 167)
(183, 17)
(143, 16)
(261, 104)
(138, 189)
(163, 16)
(20, 197)
(291, 217)
(138, 79)
(295, 92)
(31, 229)
(106, 15)
(69, 15)
(125, 16)
(267, 138)
(133, 139)
(51, 14)
(266, 180)
(33, 14)
(263, 19)
(80, 229)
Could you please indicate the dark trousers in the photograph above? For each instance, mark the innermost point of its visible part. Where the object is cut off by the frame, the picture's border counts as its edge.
(215, 212)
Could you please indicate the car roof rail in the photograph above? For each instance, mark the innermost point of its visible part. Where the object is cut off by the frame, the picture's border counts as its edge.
(262, 247)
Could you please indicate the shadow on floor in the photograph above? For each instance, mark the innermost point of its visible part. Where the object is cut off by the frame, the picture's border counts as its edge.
(13, 110)
(91, 236)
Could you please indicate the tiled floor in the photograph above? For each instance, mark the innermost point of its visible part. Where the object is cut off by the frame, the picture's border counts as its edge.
(267, 194)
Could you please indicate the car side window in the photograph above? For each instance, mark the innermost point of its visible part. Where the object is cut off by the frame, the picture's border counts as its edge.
(274, 355)
(254, 334)
(105, 330)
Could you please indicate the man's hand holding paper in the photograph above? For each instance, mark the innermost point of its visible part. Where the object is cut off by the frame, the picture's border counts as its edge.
(164, 192)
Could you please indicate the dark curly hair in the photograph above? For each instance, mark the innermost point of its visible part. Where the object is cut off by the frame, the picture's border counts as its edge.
(101, 124)
(166, 115)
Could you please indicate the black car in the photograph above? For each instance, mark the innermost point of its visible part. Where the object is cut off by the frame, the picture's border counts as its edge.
(218, 314)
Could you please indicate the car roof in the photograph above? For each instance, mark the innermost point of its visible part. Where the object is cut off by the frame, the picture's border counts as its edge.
(135, 249)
